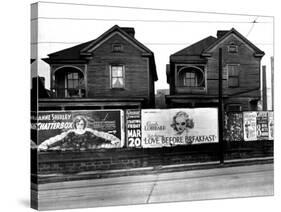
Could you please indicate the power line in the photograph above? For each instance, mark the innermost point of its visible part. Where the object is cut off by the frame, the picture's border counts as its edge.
(149, 8)
(54, 42)
(144, 20)
(252, 27)
(63, 42)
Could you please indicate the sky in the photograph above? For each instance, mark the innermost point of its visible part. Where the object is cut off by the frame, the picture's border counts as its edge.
(59, 26)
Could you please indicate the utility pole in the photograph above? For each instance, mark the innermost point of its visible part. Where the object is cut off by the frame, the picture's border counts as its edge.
(221, 114)
(264, 89)
(272, 82)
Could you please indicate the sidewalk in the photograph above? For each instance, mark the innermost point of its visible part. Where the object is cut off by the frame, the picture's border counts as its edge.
(50, 178)
(203, 184)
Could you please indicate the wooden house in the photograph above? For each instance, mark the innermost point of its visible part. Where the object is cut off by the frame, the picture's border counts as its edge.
(113, 71)
(193, 73)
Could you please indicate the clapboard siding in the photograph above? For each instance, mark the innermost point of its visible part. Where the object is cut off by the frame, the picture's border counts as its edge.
(249, 74)
(117, 46)
(246, 94)
(249, 67)
(136, 70)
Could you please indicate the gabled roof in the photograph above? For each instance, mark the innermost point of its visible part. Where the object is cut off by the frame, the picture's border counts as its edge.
(258, 52)
(70, 53)
(196, 48)
(74, 52)
(77, 53)
(120, 30)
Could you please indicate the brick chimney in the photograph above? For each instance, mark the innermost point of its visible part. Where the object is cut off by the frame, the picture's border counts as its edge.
(129, 30)
(221, 33)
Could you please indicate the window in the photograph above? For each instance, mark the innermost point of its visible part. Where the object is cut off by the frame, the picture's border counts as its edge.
(233, 76)
(117, 76)
(73, 84)
(190, 79)
(232, 48)
(233, 108)
(117, 47)
(69, 82)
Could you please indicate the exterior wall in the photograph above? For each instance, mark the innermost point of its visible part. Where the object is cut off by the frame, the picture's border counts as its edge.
(151, 90)
(249, 66)
(249, 75)
(136, 70)
(244, 102)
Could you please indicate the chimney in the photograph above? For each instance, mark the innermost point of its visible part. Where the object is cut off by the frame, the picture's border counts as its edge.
(129, 30)
(221, 33)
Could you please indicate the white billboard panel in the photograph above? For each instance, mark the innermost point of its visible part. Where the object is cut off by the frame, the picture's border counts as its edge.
(179, 127)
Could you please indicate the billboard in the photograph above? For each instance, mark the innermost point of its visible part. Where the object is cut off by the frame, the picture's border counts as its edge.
(170, 127)
(133, 127)
(250, 126)
(270, 126)
(233, 127)
(262, 125)
(33, 131)
(79, 130)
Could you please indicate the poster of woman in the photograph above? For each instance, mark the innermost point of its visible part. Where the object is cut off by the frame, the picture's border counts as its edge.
(170, 127)
(250, 126)
(80, 130)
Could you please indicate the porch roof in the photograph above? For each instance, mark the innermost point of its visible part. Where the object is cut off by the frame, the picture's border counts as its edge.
(90, 102)
(194, 51)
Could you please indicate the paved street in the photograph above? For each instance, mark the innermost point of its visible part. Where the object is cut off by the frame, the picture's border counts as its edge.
(242, 181)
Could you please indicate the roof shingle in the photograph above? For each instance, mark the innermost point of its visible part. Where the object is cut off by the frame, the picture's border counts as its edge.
(196, 48)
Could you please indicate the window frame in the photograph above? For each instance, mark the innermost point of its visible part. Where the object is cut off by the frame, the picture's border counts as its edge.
(228, 106)
(191, 78)
(114, 45)
(67, 87)
(237, 77)
(232, 46)
(111, 75)
(180, 80)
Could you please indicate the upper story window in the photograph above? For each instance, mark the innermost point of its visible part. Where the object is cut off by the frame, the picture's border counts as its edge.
(117, 76)
(233, 75)
(117, 47)
(69, 83)
(191, 77)
(232, 48)
(73, 81)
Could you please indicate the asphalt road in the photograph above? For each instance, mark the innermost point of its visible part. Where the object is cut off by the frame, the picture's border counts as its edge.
(242, 181)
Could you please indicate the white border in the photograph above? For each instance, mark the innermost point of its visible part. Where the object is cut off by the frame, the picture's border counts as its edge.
(15, 108)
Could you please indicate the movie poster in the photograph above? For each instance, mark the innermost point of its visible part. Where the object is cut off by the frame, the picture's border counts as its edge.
(170, 127)
(262, 125)
(270, 125)
(33, 131)
(133, 126)
(79, 130)
(250, 126)
(234, 126)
